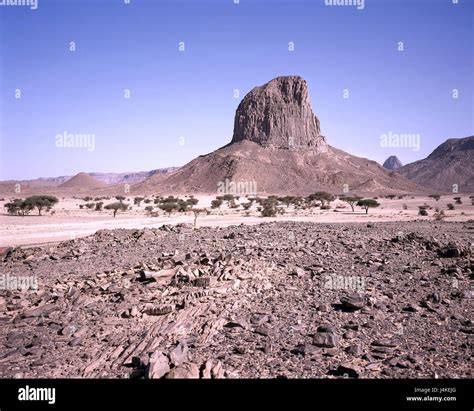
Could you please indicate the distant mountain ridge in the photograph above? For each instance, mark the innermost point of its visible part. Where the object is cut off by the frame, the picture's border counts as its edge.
(449, 168)
(107, 178)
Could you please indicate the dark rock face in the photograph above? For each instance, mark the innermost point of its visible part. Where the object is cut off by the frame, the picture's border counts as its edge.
(278, 114)
(392, 163)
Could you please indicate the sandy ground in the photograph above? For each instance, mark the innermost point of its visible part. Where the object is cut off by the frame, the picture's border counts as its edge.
(69, 221)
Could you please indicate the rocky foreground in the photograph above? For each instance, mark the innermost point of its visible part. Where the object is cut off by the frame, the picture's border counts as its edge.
(381, 300)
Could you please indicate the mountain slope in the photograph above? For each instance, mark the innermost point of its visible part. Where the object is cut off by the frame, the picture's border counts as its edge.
(451, 163)
(279, 171)
(82, 181)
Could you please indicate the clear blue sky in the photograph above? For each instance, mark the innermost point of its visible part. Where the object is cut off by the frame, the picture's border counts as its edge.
(228, 46)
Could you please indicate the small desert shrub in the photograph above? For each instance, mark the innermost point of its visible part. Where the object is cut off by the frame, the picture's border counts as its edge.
(192, 201)
(81, 206)
(90, 205)
(268, 210)
(216, 203)
(246, 206)
(423, 212)
(98, 206)
(269, 207)
(87, 198)
(405, 207)
(137, 200)
(322, 196)
(147, 201)
(457, 200)
(169, 207)
(439, 215)
(451, 206)
(435, 196)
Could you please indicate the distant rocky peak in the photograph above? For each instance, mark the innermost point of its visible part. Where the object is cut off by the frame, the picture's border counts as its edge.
(392, 163)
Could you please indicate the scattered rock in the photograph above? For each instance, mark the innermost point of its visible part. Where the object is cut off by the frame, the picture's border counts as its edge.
(450, 251)
(385, 343)
(348, 371)
(39, 311)
(413, 308)
(211, 369)
(328, 340)
(354, 350)
(95, 316)
(158, 365)
(186, 370)
(353, 302)
(298, 272)
(179, 354)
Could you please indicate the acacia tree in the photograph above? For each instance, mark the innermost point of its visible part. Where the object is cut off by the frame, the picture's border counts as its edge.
(41, 202)
(368, 203)
(216, 203)
(323, 197)
(169, 207)
(352, 201)
(192, 201)
(116, 207)
(18, 207)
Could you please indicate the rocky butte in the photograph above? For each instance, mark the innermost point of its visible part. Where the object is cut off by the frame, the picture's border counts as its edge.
(279, 114)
